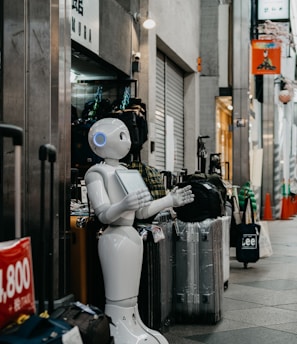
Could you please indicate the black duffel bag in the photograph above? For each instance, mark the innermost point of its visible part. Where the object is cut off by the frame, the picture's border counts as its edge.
(208, 202)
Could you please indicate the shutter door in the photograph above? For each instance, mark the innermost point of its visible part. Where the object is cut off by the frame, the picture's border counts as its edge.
(160, 114)
(169, 102)
(175, 109)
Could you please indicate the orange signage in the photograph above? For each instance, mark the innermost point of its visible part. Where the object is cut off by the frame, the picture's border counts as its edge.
(266, 57)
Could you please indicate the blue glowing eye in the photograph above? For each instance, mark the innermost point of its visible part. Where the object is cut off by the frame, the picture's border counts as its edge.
(99, 139)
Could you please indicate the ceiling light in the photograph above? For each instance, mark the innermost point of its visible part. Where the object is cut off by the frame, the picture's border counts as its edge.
(148, 23)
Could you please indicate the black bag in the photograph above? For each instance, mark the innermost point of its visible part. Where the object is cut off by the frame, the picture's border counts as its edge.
(93, 324)
(207, 204)
(247, 246)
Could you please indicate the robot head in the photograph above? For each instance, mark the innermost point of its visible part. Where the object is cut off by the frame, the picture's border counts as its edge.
(109, 138)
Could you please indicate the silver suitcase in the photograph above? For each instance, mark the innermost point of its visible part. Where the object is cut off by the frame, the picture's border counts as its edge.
(226, 222)
(211, 285)
(186, 297)
(199, 272)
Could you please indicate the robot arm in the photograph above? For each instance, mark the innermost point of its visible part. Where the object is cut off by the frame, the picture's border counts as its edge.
(105, 211)
(176, 198)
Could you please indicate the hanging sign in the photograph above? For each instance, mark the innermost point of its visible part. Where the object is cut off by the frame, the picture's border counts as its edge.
(85, 24)
(273, 9)
(266, 57)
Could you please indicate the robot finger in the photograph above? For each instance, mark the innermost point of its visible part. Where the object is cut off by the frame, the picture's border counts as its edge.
(189, 199)
(143, 194)
(187, 188)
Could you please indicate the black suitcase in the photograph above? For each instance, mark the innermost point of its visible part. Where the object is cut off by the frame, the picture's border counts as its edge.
(156, 283)
(248, 234)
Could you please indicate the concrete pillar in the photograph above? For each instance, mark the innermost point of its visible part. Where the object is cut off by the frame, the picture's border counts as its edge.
(241, 43)
(36, 96)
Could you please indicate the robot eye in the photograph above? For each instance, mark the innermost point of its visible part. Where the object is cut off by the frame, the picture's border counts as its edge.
(99, 139)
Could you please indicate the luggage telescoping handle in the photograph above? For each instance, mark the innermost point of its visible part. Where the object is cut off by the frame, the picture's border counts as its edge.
(16, 133)
(46, 152)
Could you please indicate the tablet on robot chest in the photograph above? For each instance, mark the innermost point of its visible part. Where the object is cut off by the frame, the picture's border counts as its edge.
(130, 180)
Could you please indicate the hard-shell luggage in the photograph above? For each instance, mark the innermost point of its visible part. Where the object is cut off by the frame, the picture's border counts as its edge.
(211, 284)
(199, 274)
(166, 270)
(156, 283)
(87, 283)
(186, 284)
(226, 222)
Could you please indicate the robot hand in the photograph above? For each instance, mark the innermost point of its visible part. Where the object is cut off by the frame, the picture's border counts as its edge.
(182, 196)
(138, 199)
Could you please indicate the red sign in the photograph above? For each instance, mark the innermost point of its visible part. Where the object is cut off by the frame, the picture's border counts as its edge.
(16, 280)
(266, 57)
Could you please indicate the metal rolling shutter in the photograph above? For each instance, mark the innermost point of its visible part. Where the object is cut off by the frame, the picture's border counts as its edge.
(169, 102)
(175, 109)
(160, 113)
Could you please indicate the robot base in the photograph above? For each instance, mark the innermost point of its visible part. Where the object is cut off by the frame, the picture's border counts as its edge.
(127, 327)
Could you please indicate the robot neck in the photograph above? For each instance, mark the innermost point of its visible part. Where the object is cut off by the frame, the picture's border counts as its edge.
(112, 162)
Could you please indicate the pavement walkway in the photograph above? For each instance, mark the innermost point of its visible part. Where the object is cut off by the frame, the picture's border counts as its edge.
(260, 304)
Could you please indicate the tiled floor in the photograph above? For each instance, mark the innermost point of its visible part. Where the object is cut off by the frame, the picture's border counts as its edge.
(260, 304)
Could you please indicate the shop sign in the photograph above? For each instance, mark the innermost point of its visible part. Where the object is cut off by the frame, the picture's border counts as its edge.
(85, 24)
(266, 57)
(273, 9)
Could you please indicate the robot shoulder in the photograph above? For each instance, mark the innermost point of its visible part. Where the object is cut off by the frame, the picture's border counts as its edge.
(95, 172)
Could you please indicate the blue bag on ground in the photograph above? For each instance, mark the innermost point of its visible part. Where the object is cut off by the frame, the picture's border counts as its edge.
(35, 330)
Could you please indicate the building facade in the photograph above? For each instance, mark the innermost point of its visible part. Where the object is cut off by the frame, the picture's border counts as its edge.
(192, 72)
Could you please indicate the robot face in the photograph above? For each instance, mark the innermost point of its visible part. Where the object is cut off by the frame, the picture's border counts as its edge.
(109, 138)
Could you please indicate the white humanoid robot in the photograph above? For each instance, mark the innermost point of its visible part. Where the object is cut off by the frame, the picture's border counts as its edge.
(120, 246)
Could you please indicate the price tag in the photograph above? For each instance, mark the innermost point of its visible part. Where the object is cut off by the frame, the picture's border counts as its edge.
(72, 336)
(16, 280)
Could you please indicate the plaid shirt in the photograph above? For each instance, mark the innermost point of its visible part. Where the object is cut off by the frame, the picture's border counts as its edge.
(152, 178)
